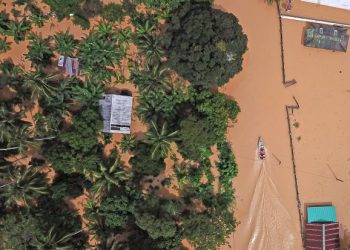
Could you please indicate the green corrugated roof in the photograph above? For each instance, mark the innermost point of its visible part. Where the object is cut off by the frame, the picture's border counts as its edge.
(321, 214)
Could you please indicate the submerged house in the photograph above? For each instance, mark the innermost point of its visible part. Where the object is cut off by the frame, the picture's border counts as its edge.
(326, 37)
(116, 111)
(322, 229)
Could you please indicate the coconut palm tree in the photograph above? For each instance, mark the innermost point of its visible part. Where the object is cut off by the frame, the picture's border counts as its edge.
(65, 44)
(18, 29)
(4, 45)
(152, 78)
(40, 84)
(23, 184)
(37, 17)
(150, 106)
(40, 52)
(21, 139)
(95, 54)
(145, 28)
(106, 30)
(110, 174)
(9, 74)
(56, 240)
(160, 139)
(150, 47)
(11, 125)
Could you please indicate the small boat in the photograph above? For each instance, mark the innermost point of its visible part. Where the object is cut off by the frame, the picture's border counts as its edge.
(261, 149)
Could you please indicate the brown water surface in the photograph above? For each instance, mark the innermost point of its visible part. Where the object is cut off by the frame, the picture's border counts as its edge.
(320, 133)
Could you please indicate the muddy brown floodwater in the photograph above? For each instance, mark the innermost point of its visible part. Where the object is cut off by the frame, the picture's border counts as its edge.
(320, 132)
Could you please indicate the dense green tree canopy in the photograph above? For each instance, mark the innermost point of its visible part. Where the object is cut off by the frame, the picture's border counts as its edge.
(204, 45)
(77, 149)
(208, 231)
(143, 164)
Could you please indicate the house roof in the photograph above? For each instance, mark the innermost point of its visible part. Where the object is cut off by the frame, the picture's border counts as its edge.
(116, 111)
(321, 214)
(326, 37)
(322, 236)
(342, 4)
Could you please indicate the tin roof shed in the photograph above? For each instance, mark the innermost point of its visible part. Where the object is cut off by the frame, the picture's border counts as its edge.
(116, 111)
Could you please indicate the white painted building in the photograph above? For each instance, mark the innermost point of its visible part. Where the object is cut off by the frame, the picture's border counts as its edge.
(342, 4)
(116, 111)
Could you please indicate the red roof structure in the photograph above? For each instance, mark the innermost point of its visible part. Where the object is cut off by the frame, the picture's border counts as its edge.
(322, 236)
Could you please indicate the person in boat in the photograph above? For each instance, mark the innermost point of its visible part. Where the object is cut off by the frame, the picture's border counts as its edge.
(262, 153)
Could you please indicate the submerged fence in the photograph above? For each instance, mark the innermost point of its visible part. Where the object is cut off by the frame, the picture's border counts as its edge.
(285, 82)
(289, 111)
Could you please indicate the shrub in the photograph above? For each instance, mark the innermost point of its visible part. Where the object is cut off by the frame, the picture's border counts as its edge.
(113, 12)
(143, 164)
(82, 21)
(77, 149)
(116, 211)
(207, 231)
(63, 8)
(194, 134)
(217, 110)
(227, 165)
(67, 186)
(4, 45)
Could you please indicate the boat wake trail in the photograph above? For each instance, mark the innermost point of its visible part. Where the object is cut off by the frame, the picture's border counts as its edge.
(270, 224)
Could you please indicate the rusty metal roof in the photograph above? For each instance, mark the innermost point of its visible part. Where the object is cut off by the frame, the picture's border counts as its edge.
(322, 236)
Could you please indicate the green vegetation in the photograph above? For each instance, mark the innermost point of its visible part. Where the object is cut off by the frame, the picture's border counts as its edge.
(80, 10)
(65, 44)
(57, 119)
(40, 52)
(205, 45)
(21, 184)
(113, 12)
(77, 149)
(127, 143)
(4, 45)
